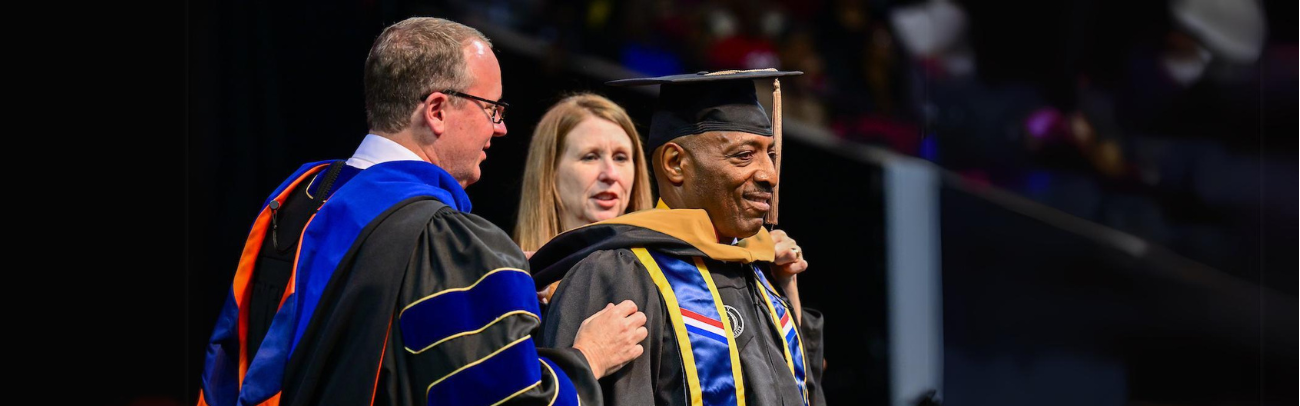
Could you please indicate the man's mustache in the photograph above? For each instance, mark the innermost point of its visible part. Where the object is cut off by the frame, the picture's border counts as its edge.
(759, 192)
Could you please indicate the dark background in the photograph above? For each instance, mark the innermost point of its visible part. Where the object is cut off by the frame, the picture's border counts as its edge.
(1033, 313)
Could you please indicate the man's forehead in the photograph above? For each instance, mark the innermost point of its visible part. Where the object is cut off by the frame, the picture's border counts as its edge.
(730, 138)
(479, 54)
(722, 140)
(483, 67)
(476, 47)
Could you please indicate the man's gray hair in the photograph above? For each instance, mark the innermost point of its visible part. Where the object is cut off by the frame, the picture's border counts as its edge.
(411, 59)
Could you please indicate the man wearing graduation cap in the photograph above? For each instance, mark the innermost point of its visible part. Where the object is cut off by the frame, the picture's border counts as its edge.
(720, 297)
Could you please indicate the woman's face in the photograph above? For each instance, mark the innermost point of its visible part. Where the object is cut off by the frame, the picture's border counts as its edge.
(594, 174)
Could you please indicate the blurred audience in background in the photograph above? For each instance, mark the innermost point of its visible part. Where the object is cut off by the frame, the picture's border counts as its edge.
(1146, 117)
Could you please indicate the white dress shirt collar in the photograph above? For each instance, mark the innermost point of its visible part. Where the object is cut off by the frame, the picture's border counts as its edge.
(375, 149)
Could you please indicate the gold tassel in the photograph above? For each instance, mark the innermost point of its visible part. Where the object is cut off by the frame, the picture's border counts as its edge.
(776, 135)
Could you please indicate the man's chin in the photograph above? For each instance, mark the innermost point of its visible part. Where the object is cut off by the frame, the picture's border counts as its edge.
(469, 179)
(747, 227)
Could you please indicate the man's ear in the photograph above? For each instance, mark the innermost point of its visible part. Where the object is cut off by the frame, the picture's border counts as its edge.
(674, 157)
(433, 112)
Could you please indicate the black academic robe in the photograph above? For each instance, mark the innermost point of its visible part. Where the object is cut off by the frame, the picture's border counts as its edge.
(598, 267)
(402, 297)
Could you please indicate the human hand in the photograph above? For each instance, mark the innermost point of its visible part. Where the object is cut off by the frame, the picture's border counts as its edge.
(611, 338)
(789, 258)
(545, 294)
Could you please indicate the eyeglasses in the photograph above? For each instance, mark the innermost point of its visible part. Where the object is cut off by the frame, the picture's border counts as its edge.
(498, 108)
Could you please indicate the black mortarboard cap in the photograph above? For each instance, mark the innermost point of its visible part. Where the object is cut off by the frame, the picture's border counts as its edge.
(695, 103)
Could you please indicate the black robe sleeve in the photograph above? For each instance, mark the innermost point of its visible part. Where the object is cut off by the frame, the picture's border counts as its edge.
(612, 276)
(460, 333)
(810, 329)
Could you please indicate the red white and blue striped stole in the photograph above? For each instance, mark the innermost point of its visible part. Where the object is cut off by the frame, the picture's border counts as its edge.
(709, 354)
(784, 322)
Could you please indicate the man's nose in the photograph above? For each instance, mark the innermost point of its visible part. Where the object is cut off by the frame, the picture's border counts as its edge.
(766, 172)
(499, 129)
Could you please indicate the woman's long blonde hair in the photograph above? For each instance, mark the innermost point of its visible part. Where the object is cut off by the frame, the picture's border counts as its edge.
(539, 204)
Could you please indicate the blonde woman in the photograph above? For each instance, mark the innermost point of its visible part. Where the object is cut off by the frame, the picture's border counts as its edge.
(585, 164)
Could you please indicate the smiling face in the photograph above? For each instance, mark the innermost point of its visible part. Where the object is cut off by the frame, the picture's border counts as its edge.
(731, 176)
(594, 173)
